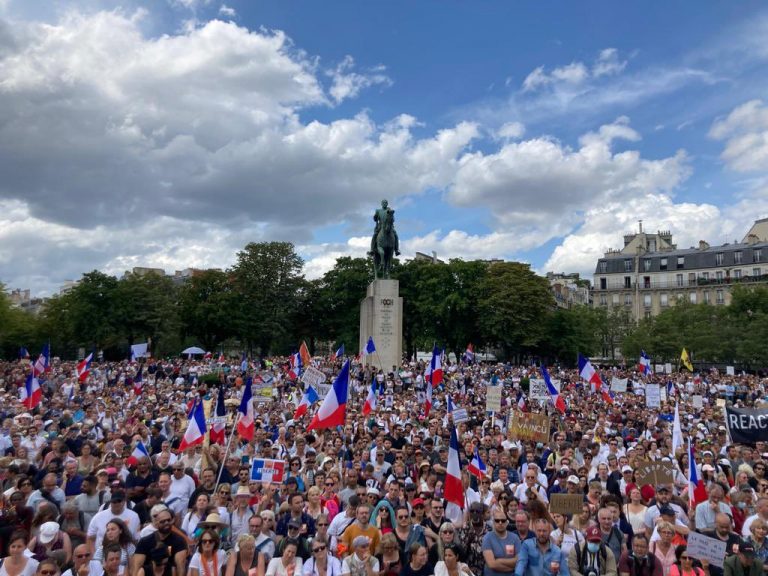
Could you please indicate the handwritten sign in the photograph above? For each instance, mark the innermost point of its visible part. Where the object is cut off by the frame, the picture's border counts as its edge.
(312, 377)
(538, 389)
(566, 503)
(267, 470)
(652, 396)
(460, 415)
(619, 384)
(654, 472)
(697, 400)
(527, 426)
(706, 548)
(493, 399)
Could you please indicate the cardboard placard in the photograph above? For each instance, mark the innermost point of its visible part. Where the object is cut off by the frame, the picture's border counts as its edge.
(697, 400)
(668, 368)
(706, 548)
(720, 402)
(663, 393)
(322, 389)
(652, 396)
(730, 371)
(566, 503)
(659, 368)
(312, 377)
(267, 470)
(528, 426)
(493, 399)
(538, 388)
(619, 384)
(654, 472)
(460, 415)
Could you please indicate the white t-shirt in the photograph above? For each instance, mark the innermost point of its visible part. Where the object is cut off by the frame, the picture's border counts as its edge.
(98, 525)
(29, 569)
(221, 564)
(182, 487)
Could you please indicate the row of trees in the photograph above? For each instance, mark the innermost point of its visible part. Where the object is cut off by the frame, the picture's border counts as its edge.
(264, 304)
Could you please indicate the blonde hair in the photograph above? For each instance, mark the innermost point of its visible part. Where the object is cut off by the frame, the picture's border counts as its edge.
(664, 525)
(245, 539)
(313, 491)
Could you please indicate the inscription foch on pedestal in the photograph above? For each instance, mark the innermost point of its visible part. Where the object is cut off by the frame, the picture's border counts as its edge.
(381, 313)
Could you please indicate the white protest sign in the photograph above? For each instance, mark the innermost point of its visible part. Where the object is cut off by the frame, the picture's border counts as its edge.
(698, 401)
(460, 415)
(668, 368)
(652, 396)
(659, 369)
(538, 389)
(663, 393)
(730, 371)
(312, 377)
(493, 399)
(619, 384)
(706, 548)
(322, 389)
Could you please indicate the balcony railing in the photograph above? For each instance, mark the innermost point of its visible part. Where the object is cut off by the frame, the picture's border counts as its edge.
(686, 283)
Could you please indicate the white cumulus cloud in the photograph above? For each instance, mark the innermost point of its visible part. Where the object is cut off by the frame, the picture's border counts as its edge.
(745, 132)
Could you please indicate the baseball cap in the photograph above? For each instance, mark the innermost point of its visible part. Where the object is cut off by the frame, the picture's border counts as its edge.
(747, 548)
(593, 534)
(573, 479)
(666, 511)
(626, 468)
(417, 502)
(118, 496)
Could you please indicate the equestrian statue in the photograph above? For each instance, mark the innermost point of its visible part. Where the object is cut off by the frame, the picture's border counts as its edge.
(385, 244)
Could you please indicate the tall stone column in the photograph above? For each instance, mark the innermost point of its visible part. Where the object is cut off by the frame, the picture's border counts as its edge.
(381, 316)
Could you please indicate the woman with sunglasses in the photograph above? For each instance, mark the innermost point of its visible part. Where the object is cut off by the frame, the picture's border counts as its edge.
(446, 536)
(322, 563)
(17, 563)
(208, 560)
(246, 559)
(684, 565)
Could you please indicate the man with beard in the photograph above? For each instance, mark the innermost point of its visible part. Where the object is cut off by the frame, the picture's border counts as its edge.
(724, 533)
(471, 537)
(163, 537)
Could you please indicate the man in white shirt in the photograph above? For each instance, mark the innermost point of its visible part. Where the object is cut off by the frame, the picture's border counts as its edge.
(117, 509)
(182, 485)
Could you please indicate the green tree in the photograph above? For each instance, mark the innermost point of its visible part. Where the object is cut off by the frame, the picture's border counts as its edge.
(207, 303)
(17, 328)
(92, 308)
(514, 306)
(267, 277)
(570, 331)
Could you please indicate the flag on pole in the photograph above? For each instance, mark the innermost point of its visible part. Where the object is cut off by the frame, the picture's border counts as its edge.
(31, 393)
(677, 432)
(697, 492)
(218, 432)
(309, 397)
(370, 347)
(23, 353)
(196, 428)
(686, 360)
(84, 368)
(469, 354)
(333, 410)
(644, 364)
(43, 362)
(453, 490)
(306, 359)
(245, 424)
(138, 381)
(435, 368)
(588, 373)
(521, 401)
(139, 451)
(554, 395)
(339, 353)
(477, 466)
(370, 401)
(296, 366)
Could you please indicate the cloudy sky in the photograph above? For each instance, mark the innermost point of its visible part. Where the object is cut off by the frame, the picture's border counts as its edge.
(170, 133)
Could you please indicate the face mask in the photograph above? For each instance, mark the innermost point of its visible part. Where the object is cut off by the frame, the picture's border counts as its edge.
(593, 547)
(741, 505)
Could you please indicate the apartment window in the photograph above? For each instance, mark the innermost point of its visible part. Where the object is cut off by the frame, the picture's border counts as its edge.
(602, 266)
(719, 275)
(647, 300)
(719, 297)
(647, 314)
(691, 278)
(705, 275)
(663, 264)
(664, 300)
(681, 261)
(646, 281)
(737, 257)
(652, 245)
(756, 272)
(737, 273)
(615, 299)
(627, 299)
(706, 296)
(757, 255)
(603, 299)
(679, 279)
(603, 283)
(627, 281)
(692, 297)
(647, 265)
(719, 259)
(628, 265)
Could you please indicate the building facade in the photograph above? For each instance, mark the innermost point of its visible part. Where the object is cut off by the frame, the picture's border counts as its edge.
(569, 290)
(650, 273)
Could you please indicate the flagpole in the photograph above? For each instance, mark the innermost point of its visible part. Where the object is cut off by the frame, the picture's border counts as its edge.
(226, 451)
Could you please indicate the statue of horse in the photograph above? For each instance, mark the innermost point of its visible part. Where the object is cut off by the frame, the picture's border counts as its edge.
(385, 249)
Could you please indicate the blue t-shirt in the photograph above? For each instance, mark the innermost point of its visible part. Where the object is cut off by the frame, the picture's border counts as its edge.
(507, 547)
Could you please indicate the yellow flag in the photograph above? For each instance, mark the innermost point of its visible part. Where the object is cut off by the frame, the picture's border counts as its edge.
(686, 360)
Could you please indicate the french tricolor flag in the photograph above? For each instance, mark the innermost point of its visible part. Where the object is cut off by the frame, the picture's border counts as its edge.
(308, 398)
(218, 432)
(84, 368)
(697, 492)
(43, 362)
(644, 364)
(296, 366)
(333, 410)
(370, 401)
(588, 372)
(196, 428)
(469, 354)
(139, 451)
(557, 400)
(477, 466)
(138, 381)
(339, 353)
(31, 393)
(245, 424)
(521, 401)
(453, 490)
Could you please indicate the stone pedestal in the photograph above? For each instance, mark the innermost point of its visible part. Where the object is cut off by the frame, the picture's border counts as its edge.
(381, 316)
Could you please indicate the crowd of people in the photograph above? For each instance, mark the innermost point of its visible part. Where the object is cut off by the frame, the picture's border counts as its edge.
(368, 498)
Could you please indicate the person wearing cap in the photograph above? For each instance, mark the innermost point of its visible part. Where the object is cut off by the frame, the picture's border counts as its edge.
(593, 557)
(361, 561)
(295, 535)
(241, 513)
(297, 514)
(539, 556)
(117, 509)
(663, 498)
(707, 510)
(744, 562)
(50, 539)
(667, 514)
